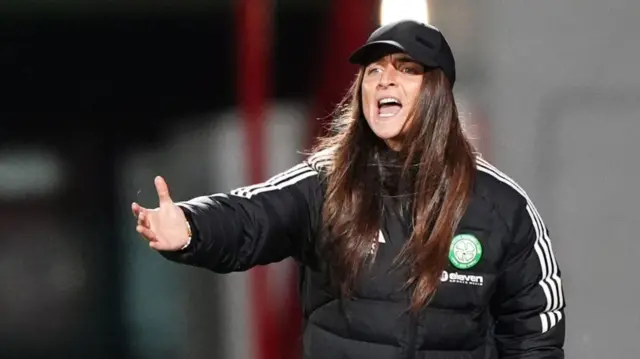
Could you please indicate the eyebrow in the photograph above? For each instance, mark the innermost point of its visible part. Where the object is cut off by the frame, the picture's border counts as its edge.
(403, 59)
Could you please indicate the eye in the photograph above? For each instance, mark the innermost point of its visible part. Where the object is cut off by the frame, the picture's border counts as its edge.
(412, 69)
(372, 70)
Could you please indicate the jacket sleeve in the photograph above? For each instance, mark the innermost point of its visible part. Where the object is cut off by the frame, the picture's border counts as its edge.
(529, 301)
(253, 225)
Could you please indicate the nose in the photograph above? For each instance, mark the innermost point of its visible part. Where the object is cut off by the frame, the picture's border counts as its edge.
(388, 76)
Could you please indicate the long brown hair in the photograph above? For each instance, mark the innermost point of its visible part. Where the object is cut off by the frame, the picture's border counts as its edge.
(441, 159)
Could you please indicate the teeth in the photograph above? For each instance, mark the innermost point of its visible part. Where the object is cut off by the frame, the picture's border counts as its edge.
(388, 100)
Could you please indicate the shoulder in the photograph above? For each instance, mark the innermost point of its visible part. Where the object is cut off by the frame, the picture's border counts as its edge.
(320, 161)
(505, 194)
(496, 185)
(303, 176)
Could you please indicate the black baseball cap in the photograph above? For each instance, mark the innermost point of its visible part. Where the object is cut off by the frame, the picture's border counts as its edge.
(423, 42)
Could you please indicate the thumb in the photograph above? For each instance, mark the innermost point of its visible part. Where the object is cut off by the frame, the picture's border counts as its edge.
(163, 191)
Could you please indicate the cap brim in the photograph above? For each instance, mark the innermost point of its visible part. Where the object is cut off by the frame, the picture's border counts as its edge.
(374, 50)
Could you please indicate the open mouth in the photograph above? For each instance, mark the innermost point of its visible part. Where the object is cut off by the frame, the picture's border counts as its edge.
(389, 107)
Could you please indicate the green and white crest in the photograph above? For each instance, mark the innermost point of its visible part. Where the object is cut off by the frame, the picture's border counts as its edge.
(465, 251)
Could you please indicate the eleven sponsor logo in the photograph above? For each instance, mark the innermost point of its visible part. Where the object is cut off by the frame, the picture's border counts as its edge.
(455, 277)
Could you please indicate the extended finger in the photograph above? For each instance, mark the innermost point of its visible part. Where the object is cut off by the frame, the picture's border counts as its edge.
(146, 232)
(136, 209)
(143, 219)
(163, 191)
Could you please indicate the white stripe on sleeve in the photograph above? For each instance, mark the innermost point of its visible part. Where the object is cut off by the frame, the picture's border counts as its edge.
(550, 283)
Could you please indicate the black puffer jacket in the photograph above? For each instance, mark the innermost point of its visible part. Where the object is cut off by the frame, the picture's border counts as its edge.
(500, 297)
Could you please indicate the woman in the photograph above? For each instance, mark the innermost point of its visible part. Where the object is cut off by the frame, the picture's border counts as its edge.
(411, 245)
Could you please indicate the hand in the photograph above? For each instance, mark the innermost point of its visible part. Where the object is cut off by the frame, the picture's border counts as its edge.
(164, 227)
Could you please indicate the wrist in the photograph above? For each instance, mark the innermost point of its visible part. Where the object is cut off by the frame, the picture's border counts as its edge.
(189, 234)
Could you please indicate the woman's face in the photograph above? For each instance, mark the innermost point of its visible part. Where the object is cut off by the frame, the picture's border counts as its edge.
(390, 88)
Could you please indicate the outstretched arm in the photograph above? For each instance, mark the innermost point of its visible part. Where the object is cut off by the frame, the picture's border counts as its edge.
(253, 225)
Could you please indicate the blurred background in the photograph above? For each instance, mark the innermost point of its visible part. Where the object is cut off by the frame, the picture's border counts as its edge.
(98, 97)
